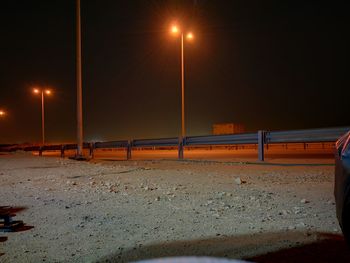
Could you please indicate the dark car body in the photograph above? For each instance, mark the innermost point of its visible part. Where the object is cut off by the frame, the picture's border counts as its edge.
(342, 183)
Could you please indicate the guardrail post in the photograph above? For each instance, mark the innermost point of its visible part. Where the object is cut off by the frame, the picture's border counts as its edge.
(128, 150)
(261, 142)
(63, 147)
(181, 148)
(40, 151)
(91, 149)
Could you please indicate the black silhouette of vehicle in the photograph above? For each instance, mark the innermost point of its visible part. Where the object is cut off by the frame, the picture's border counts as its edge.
(342, 184)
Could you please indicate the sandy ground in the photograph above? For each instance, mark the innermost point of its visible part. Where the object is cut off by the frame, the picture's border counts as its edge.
(121, 211)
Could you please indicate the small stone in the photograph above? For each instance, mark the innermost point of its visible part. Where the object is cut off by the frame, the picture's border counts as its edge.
(238, 181)
(221, 194)
(304, 201)
(301, 225)
(157, 198)
(209, 202)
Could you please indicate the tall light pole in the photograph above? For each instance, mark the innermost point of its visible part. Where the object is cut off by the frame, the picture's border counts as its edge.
(183, 129)
(176, 31)
(42, 92)
(79, 153)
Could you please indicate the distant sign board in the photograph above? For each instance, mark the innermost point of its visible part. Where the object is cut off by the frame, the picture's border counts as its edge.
(228, 128)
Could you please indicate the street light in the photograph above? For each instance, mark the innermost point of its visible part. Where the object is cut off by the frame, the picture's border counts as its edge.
(79, 153)
(2, 113)
(176, 30)
(43, 92)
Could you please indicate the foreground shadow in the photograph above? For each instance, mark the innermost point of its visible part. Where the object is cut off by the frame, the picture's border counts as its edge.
(332, 249)
(267, 247)
(11, 209)
(6, 215)
(8, 225)
(2, 239)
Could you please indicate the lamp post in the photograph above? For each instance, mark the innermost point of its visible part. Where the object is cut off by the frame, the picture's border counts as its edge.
(42, 92)
(79, 154)
(175, 30)
(2, 113)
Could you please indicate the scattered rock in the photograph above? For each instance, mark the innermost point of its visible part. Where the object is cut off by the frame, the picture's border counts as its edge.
(300, 225)
(284, 212)
(304, 201)
(221, 194)
(209, 202)
(330, 202)
(238, 180)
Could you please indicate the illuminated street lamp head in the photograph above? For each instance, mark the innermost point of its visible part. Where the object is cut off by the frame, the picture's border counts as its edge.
(38, 90)
(174, 29)
(2, 113)
(189, 36)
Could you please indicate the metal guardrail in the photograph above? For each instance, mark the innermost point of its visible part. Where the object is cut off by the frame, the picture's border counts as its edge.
(110, 145)
(243, 138)
(155, 142)
(51, 147)
(261, 138)
(305, 136)
(30, 148)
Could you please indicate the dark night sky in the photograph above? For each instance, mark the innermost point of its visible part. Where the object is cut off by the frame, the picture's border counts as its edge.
(266, 64)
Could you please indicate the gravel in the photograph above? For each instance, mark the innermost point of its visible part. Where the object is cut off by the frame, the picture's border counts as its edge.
(126, 210)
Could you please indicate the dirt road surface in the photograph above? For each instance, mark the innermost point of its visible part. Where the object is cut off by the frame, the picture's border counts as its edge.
(121, 211)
